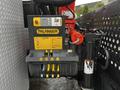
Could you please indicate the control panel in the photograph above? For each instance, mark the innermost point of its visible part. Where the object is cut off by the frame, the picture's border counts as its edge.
(46, 32)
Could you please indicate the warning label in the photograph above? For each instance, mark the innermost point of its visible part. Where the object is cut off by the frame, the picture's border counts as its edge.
(88, 67)
(56, 21)
(44, 43)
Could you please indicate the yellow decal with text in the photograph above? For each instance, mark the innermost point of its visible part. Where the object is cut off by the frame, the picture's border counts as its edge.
(47, 43)
(36, 21)
(47, 31)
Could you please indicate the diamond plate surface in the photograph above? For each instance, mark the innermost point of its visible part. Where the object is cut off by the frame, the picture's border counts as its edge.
(13, 71)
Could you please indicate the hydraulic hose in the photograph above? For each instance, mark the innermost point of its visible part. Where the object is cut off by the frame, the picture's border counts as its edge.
(107, 60)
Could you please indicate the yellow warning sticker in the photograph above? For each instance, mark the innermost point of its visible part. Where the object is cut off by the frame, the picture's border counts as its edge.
(47, 43)
(36, 21)
(47, 31)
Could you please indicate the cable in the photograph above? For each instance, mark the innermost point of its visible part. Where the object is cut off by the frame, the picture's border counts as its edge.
(107, 60)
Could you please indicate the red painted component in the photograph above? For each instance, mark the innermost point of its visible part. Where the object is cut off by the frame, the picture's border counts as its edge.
(70, 23)
(71, 7)
(77, 38)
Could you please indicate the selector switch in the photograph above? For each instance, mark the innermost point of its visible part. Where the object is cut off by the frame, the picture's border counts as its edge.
(51, 53)
(46, 53)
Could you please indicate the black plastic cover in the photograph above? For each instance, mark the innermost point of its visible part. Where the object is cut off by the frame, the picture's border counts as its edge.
(54, 2)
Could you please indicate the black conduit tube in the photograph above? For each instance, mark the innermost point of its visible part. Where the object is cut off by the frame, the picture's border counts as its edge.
(53, 10)
(45, 10)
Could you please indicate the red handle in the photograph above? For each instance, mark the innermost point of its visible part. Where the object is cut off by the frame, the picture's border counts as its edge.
(76, 37)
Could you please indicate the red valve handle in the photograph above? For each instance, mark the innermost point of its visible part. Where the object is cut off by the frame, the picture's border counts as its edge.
(76, 37)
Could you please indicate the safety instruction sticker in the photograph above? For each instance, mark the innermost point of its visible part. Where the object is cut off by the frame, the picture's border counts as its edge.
(36, 21)
(56, 21)
(46, 43)
(88, 67)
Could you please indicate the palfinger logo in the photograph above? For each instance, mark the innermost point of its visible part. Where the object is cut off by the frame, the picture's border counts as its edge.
(47, 31)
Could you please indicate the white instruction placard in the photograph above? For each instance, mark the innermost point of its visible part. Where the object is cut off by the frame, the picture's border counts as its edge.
(56, 21)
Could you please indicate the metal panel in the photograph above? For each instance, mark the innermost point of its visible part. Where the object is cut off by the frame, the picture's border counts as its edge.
(107, 19)
(13, 72)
